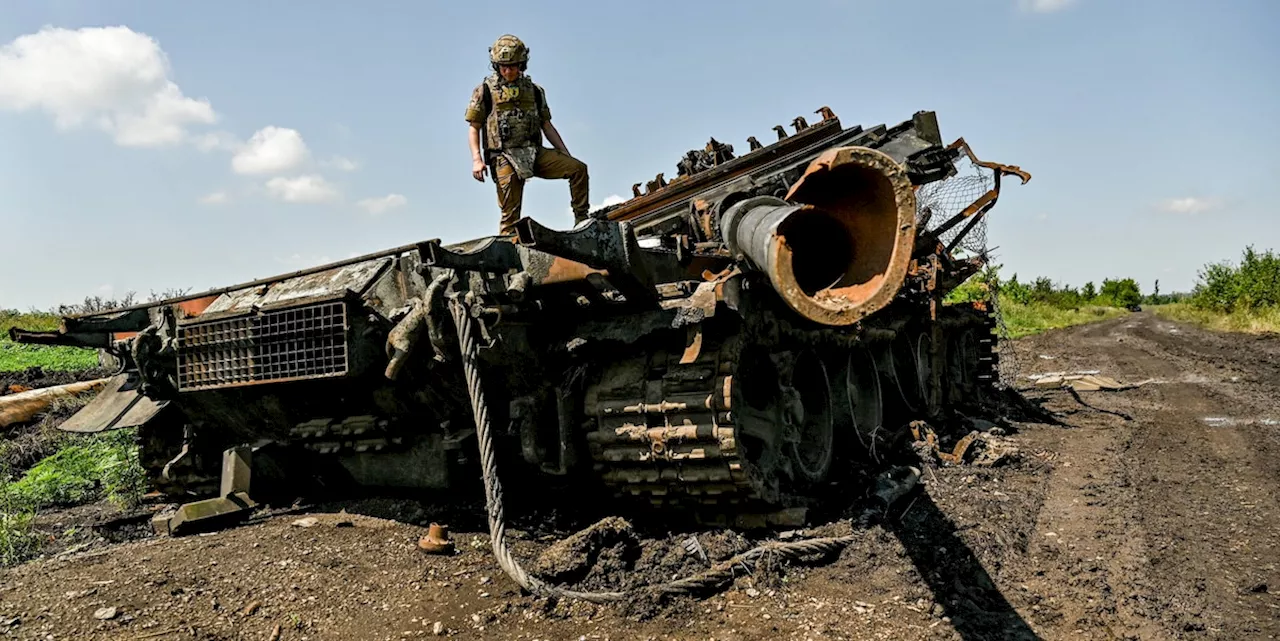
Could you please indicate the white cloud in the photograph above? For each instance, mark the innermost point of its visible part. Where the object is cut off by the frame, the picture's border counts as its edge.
(1189, 205)
(271, 150)
(379, 205)
(342, 163)
(112, 78)
(215, 198)
(302, 189)
(1044, 6)
(611, 199)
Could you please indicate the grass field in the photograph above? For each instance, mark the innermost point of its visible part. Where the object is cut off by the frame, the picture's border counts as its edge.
(1253, 322)
(15, 357)
(1033, 318)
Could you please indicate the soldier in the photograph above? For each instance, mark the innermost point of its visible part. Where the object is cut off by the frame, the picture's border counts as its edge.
(511, 112)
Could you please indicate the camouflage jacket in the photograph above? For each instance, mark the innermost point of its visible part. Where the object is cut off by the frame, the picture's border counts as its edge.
(512, 113)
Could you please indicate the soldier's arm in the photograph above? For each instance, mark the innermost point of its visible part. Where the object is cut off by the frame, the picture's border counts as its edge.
(549, 130)
(554, 137)
(476, 110)
(478, 167)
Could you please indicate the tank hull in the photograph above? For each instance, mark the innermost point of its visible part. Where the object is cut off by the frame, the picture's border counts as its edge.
(736, 344)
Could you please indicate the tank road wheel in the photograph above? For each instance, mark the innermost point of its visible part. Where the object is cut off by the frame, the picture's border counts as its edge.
(930, 399)
(862, 393)
(962, 366)
(899, 369)
(808, 419)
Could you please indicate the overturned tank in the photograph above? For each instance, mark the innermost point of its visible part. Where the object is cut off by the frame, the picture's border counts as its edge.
(733, 344)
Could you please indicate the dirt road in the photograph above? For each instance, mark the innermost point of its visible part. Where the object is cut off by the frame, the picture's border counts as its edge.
(1149, 513)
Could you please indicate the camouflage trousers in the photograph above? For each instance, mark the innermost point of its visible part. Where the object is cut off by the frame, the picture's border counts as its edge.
(550, 164)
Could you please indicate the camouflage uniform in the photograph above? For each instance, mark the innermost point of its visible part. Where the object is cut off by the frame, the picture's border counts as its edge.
(511, 116)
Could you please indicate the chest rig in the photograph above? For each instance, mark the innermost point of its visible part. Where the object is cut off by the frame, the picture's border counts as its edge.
(513, 127)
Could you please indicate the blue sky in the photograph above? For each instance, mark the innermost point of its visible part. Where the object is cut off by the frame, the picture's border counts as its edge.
(194, 146)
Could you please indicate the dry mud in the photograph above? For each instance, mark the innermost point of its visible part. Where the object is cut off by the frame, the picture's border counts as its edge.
(1148, 513)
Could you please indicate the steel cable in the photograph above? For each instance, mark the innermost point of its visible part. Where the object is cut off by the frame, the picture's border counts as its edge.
(718, 574)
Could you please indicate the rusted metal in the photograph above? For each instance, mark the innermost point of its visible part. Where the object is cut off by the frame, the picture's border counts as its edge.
(979, 207)
(728, 171)
(679, 335)
(395, 251)
(436, 540)
(831, 260)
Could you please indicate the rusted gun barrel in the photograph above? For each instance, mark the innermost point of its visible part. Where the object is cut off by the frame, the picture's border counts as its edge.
(837, 247)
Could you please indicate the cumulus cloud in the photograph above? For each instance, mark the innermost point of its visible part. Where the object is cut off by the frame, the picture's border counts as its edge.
(1044, 6)
(384, 203)
(1189, 205)
(215, 198)
(271, 150)
(302, 189)
(112, 78)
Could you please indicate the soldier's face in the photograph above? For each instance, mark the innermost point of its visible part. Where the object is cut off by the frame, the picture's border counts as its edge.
(509, 72)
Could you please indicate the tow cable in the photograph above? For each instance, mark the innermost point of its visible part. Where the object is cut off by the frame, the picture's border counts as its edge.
(721, 573)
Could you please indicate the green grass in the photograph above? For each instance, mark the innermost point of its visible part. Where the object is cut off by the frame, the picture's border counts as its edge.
(15, 357)
(91, 468)
(1034, 318)
(1248, 321)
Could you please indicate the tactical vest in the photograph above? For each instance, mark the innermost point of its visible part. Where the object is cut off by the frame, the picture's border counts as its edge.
(515, 114)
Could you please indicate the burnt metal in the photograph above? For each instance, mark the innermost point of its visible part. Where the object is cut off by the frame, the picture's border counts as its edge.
(290, 344)
(668, 350)
(71, 339)
(492, 255)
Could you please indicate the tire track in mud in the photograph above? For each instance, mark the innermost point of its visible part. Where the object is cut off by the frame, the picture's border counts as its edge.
(1173, 524)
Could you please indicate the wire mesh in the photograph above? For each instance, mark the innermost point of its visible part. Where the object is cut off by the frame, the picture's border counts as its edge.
(937, 203)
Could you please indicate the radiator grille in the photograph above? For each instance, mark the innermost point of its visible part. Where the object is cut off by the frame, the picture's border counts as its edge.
(290, 344)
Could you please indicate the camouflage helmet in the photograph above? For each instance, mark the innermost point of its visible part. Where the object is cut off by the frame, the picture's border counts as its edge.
(508, 50)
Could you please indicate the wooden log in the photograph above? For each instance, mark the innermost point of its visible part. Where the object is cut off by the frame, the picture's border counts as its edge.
(24, 406)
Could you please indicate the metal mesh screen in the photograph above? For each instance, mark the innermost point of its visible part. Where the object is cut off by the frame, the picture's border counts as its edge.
(938, 202)
(303, 342)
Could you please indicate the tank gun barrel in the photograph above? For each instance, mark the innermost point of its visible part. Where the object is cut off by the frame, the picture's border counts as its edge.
(837, 247)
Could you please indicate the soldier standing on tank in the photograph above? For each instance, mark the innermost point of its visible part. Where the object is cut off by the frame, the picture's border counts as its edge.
(510, 111)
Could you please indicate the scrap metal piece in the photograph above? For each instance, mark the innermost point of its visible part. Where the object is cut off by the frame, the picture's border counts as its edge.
(234, 506)
(494, 254)
(436, 540)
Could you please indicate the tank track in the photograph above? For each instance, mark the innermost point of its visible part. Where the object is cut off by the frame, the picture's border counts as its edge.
(664, 433)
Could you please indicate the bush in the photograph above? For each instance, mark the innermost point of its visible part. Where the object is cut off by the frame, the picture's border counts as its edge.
(1253, 285)
(1119, 293)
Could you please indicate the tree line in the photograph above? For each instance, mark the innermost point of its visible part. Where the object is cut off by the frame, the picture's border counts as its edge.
(1252, 284)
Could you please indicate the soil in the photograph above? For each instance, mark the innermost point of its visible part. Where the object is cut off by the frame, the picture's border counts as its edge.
(1147, 513)
(37, 377)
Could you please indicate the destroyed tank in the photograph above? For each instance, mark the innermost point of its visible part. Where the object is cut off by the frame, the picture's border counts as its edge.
(735, 343)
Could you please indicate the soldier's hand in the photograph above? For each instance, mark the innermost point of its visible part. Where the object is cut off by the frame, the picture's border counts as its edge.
(478, 170)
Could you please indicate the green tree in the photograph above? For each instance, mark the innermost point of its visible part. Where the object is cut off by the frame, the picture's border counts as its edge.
(1120, 292)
